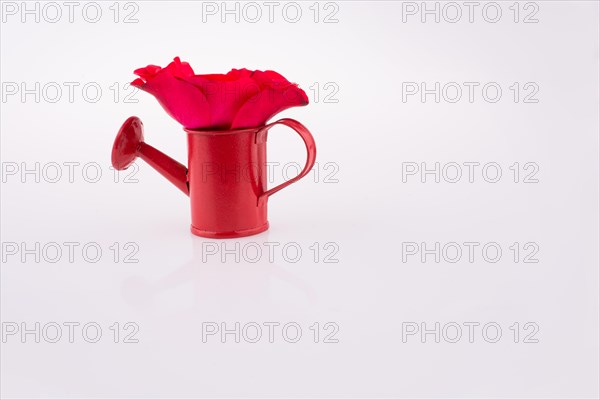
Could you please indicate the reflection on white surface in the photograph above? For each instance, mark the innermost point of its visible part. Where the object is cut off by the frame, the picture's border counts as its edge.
(219, 287)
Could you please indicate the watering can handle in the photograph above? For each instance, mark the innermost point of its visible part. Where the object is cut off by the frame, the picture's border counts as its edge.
(311, 151)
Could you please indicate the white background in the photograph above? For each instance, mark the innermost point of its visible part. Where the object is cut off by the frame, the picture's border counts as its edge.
(366, 211)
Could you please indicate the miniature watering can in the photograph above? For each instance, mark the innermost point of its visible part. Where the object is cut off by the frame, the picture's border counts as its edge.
(225, 178)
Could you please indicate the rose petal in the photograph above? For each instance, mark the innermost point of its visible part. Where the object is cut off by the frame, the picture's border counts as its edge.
(138, 83)
(275, 77)
(181, 100)
(148, 72)
(259, 109)
(179, 69)
(225, 94)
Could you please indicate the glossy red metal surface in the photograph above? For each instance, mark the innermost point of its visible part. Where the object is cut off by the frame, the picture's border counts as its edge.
(129, 144)
(226, 175)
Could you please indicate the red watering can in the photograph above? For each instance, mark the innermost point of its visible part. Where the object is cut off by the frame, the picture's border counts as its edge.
(225, 178)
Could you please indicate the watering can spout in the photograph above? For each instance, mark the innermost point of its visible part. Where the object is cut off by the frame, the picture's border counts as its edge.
(129, 144)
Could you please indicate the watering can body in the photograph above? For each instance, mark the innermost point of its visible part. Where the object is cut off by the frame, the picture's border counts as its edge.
(226, 177)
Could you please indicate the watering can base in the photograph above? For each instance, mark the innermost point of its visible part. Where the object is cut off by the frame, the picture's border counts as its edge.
(231, 234)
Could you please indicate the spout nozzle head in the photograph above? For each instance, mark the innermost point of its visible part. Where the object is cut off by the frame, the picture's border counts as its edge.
(127, 142)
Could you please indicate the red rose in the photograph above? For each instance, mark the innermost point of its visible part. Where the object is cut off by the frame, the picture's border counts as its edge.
(238, 99)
